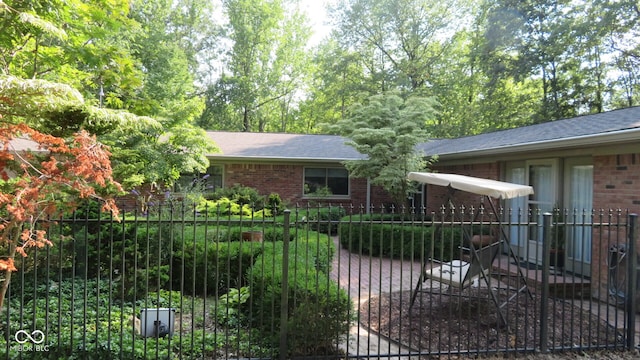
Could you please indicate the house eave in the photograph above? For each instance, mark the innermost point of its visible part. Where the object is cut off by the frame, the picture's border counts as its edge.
(277, 159)
(617, 137)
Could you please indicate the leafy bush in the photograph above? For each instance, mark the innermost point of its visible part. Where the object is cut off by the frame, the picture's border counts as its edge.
(223, 207)
(242, 195)
(123, 250)
(228, 308)
(92, 327)
(325, 219)
(400, 240)
(234, 233)
(275, 204)
(213, 267)
(319, 312)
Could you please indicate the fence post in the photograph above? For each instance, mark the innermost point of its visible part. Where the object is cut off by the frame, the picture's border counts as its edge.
(544, 302)
(632, 285)
(284, 296)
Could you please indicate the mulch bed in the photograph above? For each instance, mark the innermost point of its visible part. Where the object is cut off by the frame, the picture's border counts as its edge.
(446, 322)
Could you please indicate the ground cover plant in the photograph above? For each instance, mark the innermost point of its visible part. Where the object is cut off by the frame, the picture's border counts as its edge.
(223, 289)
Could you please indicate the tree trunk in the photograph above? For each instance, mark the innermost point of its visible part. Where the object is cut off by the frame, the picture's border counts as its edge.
(7, 275)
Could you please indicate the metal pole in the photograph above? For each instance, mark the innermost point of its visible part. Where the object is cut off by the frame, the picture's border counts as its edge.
(632, 285)
(544, 302)
(284, 296)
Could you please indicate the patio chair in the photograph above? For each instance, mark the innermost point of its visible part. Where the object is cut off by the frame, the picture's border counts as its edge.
(473, 267)
(477, 255)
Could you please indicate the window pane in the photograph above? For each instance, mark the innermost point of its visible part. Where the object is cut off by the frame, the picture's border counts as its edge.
(318, 180)
(338, 181)
(339, 185)
(314, 180)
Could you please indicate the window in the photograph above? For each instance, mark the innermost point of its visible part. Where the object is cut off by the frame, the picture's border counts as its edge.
(331, 182)
(207, 182)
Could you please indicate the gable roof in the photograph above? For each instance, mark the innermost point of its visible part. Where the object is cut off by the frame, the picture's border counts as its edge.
(279, 146)
(617, 126)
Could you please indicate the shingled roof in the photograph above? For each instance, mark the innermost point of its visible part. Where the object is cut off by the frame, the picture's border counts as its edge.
(616, 126)
(293, 147)
(595, 129)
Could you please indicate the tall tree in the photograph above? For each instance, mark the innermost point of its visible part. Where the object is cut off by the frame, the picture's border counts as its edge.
(403, 39)
(96, 45)
(337, 84)
(262, 67)
(84, 44)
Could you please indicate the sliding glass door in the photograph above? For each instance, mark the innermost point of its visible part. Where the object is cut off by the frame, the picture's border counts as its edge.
(542, 175)
(579, 201)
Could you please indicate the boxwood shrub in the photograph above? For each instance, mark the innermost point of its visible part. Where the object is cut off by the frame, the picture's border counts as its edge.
(319, 312)
(402, 240)
(219, 267)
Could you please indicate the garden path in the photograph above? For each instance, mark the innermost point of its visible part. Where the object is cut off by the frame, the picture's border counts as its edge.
(364, 277)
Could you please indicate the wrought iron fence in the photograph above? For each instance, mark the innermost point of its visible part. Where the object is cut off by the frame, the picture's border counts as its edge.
(323, 282)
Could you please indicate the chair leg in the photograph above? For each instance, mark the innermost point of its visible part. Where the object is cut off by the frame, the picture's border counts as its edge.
(417, 289)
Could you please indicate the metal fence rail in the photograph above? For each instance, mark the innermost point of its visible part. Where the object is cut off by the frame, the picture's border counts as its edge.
(319, 282)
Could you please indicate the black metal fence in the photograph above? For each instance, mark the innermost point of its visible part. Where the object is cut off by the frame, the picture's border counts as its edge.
(323, 282)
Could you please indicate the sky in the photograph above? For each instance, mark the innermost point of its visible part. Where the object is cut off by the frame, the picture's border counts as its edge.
(315, 10)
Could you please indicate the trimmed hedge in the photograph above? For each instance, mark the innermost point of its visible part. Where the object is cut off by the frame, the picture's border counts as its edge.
(400, 240)
(216, 269)
(319, 312)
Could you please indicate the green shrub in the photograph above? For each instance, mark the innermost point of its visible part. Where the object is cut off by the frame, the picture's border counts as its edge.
(319, 312)
(213, 267)
(325, 219)
(229, 306)
(400, 240)
(224, 207)
(275, 204)
(242, 195)
(86, 327)
(234, 233)
(136, 253)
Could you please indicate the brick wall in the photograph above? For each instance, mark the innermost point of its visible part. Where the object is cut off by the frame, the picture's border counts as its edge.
(616, 185)
(287, 181)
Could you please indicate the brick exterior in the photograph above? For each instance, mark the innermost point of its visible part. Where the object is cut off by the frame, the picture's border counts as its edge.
(287, 181)
(616, 186)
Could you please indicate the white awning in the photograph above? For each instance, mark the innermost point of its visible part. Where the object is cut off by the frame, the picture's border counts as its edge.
(493, 188)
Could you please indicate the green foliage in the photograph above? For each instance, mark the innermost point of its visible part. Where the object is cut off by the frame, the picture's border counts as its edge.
(324, 219)
(243, 195)
(319, 312)
(241, 200)
(264, 68)
(401, 240)
(202, 266)
(387, 130)
(137, 254)
(228, 308)
(224, 206)
(275, 204)
(96, 327)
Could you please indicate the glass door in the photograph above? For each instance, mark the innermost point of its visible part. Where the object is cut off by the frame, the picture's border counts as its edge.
(542, 176)
(517, 210)
(579, 200)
